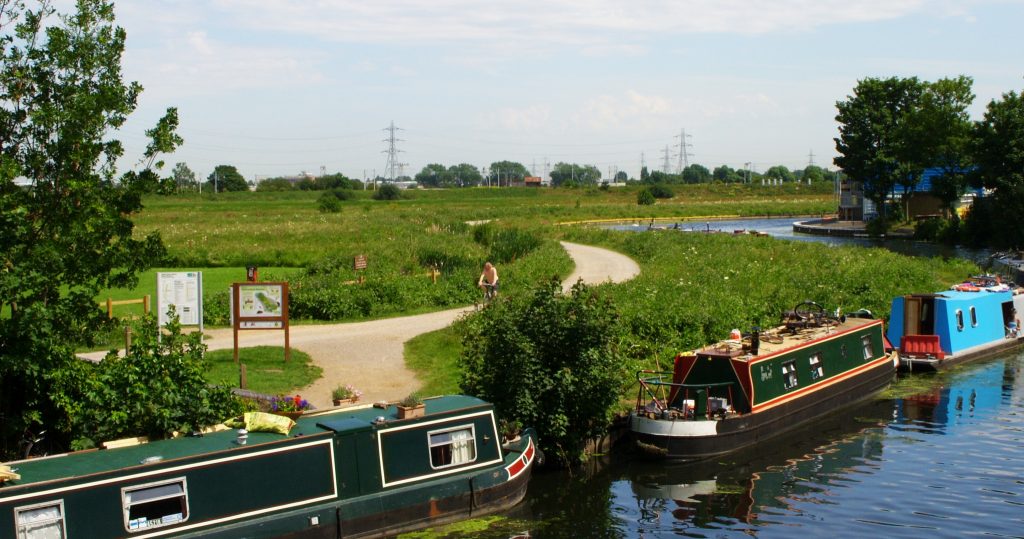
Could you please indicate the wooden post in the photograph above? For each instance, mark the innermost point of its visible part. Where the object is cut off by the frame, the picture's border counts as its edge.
(110, 309)
(243, 379)
(433, 274)
(127, 339)
(145, 304)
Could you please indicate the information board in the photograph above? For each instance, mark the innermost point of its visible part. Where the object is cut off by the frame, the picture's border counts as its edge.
(182, 290)
(260, 306)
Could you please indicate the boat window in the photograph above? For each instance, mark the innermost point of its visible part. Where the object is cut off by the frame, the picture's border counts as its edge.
(974, 318)
(959, 320)
(789, 374)
(40, 521)
(817, 371)
(452, 447)
(869, 350)
(155, 505)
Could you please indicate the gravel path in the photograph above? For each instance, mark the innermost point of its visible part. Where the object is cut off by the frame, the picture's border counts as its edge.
(370, 355)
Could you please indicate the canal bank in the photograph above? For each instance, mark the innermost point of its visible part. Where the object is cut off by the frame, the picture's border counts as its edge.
(831, 226)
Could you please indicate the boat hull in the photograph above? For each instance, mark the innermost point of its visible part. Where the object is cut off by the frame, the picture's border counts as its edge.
(697, 440)
(912, 363)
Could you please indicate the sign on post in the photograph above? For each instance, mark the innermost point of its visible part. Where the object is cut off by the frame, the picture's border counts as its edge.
(182, 290)
(260, 306)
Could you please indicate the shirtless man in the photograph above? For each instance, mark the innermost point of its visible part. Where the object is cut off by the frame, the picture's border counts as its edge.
(489, 280)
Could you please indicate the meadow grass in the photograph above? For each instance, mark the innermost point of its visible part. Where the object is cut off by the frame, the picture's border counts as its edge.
(266, 370)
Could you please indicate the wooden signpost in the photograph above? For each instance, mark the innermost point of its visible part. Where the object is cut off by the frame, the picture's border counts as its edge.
(260, 306)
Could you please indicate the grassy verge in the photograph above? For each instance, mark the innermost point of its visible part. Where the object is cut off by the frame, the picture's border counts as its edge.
(434, 358)
(266, 369)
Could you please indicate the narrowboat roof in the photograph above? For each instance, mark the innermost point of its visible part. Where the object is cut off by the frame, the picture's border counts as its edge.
(780, 339)
(90, 462)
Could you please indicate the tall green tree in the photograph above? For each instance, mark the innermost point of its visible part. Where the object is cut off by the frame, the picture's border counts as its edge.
(696, 173)
(571, 175)
(869, 129)
(779, 172)
(184, 178)
(998, 151)
(227, 178)
(504, 172)
(935, 134)
(68, 233)
(432, 175)
(464, 175)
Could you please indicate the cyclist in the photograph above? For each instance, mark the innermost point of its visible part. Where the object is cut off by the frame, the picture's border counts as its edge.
(489, 281)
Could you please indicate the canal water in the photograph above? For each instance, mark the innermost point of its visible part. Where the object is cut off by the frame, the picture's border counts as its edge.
(783, 228)
(937, 455)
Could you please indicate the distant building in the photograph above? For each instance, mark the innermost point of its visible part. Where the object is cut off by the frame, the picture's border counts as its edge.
(854, 206)
(533, 181)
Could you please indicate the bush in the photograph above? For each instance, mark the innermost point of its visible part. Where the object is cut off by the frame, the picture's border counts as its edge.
(645, 197)
(328, 203)
(159, 387)
(548, 360)
(661, 191)
(510, 244)
(387, 192)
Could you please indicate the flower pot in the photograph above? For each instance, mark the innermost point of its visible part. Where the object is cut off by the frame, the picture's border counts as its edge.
(290, 415)
(342, 402)
(408, 412)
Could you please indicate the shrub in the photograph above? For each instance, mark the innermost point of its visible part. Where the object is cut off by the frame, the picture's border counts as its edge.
(645, 197)
(159, 387)
(387, 192)
(661, 191)
(548, 360)
(328, 203)
(512, 243)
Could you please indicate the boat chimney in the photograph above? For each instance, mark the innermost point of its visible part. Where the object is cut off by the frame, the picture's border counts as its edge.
(755, 340)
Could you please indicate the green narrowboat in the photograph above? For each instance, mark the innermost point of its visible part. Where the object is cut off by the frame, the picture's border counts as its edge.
(750, 388)
(351, 472)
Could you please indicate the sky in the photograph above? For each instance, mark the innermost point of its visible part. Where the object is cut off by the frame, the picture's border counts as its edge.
(279, 87)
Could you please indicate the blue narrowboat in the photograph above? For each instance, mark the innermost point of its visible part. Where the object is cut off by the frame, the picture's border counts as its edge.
(972, 319)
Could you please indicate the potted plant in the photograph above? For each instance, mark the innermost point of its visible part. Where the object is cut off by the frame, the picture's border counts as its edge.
(345, 394)
(288, 406)
(509, 430)
(411, 406)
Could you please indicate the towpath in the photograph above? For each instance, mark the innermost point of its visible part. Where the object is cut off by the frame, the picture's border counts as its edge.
(370, 355)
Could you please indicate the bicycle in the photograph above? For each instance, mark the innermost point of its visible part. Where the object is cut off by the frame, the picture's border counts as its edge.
(490, 292)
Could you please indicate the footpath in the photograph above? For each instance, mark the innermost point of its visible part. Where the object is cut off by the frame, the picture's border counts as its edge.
(370, 355)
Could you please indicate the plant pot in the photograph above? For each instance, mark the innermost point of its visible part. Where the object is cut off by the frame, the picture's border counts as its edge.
(342, 402)
(408, 412)
(290, 415)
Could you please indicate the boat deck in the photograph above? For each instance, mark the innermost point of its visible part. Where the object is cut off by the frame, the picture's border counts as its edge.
(780, 339)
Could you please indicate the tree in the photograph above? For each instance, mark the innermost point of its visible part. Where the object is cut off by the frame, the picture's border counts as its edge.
(68, 234)
(274, 185)
(184, 178)
(696, 174)
(226, 178)
(813, 174)
(998, 151)
(644, 174)
(571, 175)
(464, 175)
(549, 360)
(621, 176)
(779, 172)
(432, 175)
(727, 174)
(505, 172)
(935, 135)
(869, 124)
